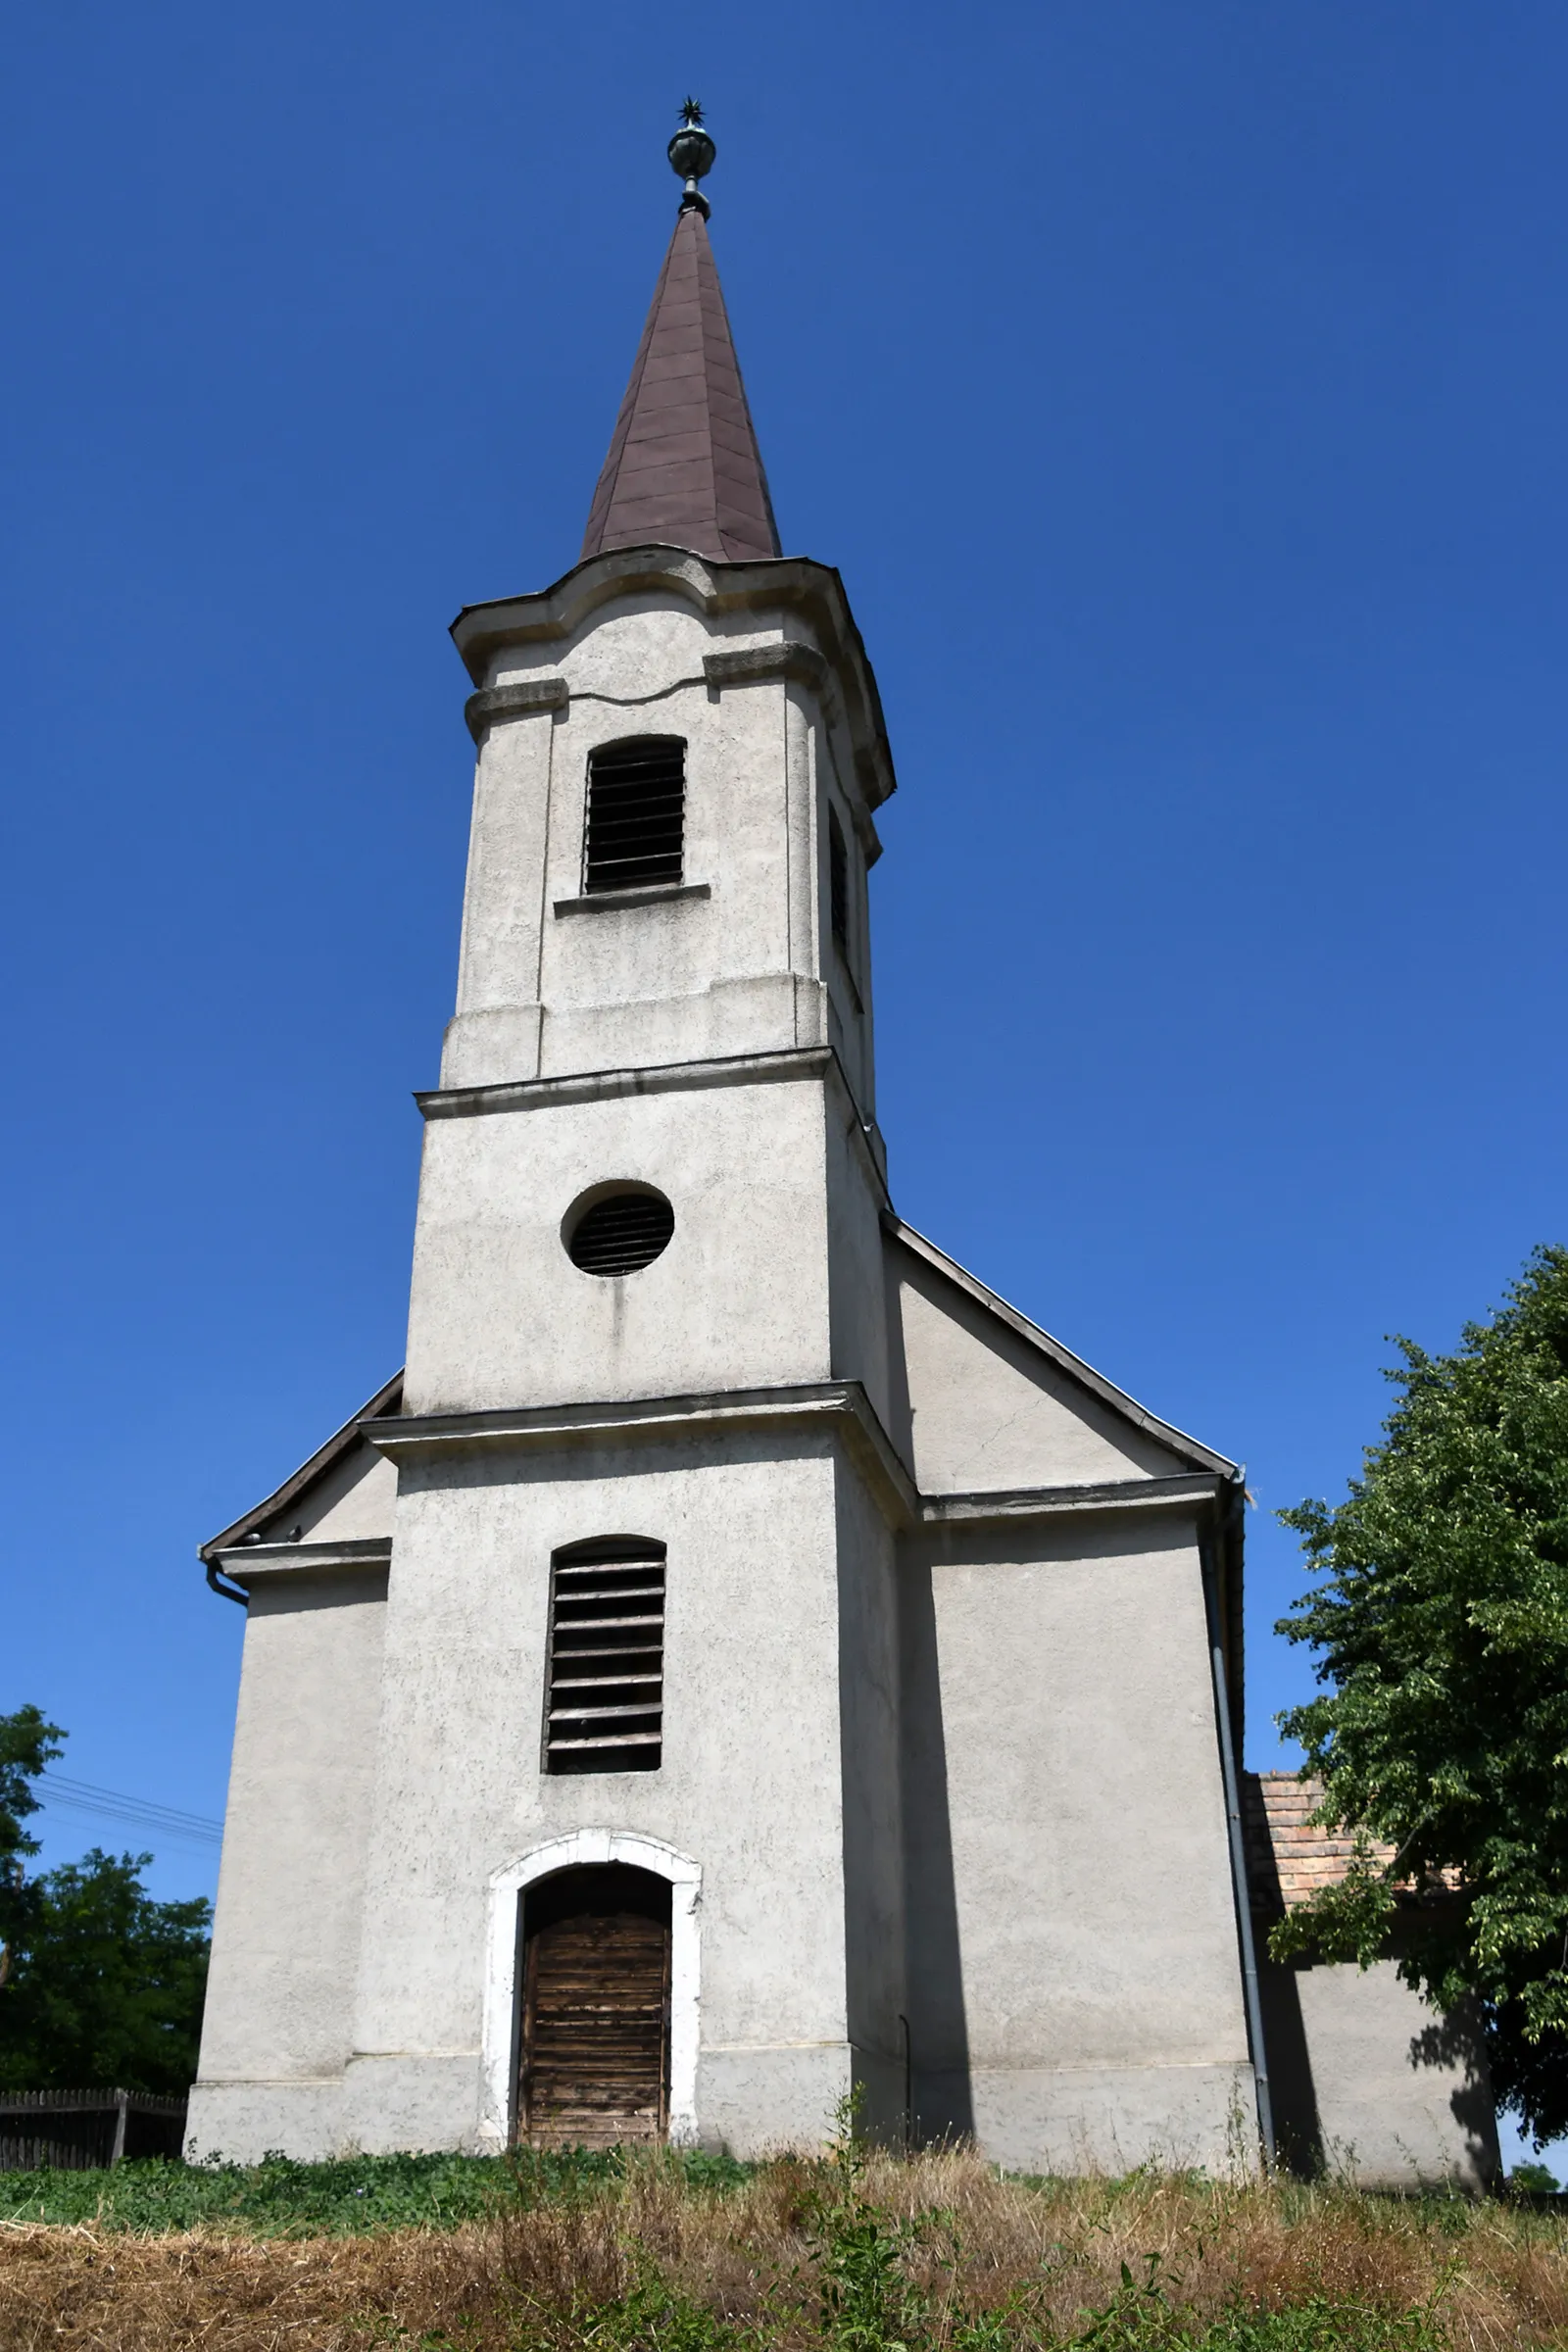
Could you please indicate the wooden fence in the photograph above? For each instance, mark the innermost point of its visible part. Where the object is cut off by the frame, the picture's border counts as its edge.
(78, 2131)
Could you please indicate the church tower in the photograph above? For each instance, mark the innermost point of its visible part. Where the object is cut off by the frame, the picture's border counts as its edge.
(647, 1335)
(647, 1348)
(740, 1660)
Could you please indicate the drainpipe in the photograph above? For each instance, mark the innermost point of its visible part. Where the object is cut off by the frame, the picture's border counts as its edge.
(1251, 1996)
(217, 1584)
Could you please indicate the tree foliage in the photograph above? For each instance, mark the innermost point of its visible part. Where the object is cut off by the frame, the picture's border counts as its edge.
(108, 1984)
(1442, 1622)
(103, 1984)
(26, 1745)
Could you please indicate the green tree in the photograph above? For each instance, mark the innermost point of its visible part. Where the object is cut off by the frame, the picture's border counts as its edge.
(102, 1983)
(26, 1745)
(107, 1985)
(1442, 1622)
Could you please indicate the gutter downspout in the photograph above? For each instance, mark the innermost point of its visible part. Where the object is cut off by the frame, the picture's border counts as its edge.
(1250, 1993)
(216, 1584)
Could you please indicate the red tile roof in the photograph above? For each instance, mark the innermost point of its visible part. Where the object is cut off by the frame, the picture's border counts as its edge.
(684, 469)
(1288, 1856)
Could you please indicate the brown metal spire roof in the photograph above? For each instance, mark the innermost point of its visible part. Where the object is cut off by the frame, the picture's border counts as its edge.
(684, 469)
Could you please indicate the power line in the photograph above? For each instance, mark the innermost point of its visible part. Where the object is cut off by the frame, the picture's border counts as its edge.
(61, 1793)
(171, 1814)
(95, 1810)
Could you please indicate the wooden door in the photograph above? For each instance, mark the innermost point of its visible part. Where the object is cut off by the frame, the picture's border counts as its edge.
(594, 2061)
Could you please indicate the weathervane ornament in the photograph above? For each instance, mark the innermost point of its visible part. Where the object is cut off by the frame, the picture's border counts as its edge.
(691, 157)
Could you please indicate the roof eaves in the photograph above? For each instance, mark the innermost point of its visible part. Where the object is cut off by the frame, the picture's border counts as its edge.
(550, 615)
(385, 1401)
(1163, 1431)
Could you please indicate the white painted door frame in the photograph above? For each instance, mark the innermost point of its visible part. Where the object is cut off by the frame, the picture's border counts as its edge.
(590, 1846)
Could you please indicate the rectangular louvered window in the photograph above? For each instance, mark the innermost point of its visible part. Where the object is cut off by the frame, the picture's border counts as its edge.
(837, 884)
(636, 814)
(604, 1701)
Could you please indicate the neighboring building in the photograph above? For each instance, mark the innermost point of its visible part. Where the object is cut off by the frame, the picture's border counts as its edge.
(740, 1658)
(1366, 2081)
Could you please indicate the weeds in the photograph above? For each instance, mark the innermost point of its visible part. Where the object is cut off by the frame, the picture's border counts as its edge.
(858, 2251)
(866, 2301)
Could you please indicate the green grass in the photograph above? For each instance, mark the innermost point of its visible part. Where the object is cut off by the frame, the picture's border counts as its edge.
(1318, 2326)
(858, 2251)
(280, 2198)
(1141, 2318)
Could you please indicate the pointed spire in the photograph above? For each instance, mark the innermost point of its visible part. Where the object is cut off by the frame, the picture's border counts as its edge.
(684, 469)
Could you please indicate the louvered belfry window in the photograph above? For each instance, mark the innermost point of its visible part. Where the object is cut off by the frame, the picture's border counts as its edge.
(605, 1700)
(838, 883)
(636, 814)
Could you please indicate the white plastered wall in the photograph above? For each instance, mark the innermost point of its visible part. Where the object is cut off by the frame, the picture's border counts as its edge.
(859, 1337)
(749, 1790)
(549, 984)
(354, 1499)
(278, 2025)
(869, 1722)
(735, 844)
(989, 1412)
(500, 1316)
(1075, 1995)
(1371, 2085)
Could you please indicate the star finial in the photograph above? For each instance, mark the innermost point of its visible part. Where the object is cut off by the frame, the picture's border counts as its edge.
(691, 157)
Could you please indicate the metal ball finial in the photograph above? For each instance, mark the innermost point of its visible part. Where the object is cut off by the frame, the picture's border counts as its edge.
(691, 158)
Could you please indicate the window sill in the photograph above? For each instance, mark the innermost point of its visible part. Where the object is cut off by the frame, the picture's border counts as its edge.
(653, 893)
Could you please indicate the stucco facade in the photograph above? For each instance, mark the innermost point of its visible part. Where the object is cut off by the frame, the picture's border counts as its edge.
(1368, 2082)
(950, 1670)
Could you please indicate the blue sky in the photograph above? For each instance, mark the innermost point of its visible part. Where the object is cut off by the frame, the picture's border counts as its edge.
(1180, 392)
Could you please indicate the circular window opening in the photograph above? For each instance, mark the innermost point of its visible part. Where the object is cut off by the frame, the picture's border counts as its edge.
(621, 1232)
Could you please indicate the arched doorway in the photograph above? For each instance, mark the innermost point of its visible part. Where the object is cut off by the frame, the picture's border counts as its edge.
(593, 2050)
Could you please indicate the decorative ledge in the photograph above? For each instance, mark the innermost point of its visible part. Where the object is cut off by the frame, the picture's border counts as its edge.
(519, 699)
(753, 664)
(597, 1086)
(653, 893)
(841, 1404)
(729, 594)
(244, 1563)
(1051, 1503)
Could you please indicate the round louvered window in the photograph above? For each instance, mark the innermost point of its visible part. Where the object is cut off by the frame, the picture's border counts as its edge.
(621, 1232)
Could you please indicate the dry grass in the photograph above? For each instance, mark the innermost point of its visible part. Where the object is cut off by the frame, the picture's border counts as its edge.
(647, 2262)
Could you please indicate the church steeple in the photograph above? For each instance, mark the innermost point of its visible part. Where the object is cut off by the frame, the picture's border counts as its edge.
(684, 469)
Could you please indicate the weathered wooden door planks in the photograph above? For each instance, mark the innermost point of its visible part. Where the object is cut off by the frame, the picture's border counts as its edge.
(594, 2056)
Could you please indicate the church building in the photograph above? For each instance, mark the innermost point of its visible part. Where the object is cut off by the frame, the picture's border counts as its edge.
(740, 1660)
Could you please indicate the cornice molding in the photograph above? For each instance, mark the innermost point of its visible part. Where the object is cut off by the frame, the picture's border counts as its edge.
(251, 1563)
(600, 1086)
(523, 698)
(788, 1065)
(763, 665)
(1194, 1494)
(841, 1406)
(785, 583)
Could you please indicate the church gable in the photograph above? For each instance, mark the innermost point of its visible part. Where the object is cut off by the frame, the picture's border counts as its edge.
(995, 1404)
(345, 1493)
